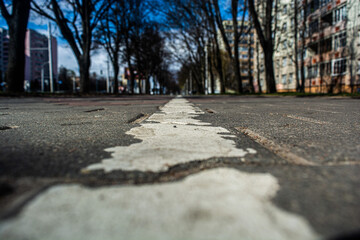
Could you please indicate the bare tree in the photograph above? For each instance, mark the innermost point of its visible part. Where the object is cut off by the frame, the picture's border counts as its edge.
(17, 22)
(110, 35)
(265, 35)
(190, 24)
(77, 21)
(302, 53)
(250, 56)
(214, 42)
(237, 33)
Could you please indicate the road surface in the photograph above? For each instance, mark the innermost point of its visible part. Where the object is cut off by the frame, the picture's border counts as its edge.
(216, 167)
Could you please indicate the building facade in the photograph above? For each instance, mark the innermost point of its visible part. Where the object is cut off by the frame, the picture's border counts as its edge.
(37, 60)
(331, 45)
(245, 47)
(4, 52)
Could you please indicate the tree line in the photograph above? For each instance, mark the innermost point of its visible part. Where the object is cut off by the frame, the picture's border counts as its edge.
(190, 33)
(124, 28)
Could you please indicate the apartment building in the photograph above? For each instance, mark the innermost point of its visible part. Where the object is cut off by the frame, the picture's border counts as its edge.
(245, 46)
(4, 52)
(331, 49)
(37, 59)
(332, 45)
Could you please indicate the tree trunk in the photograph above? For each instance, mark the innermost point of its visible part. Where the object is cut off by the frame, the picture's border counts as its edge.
(269, 72)
(266, 41)
(258, 67)
(132, 77)
(251, 82)
(147, 89)
(296, 47)
(17, 23)
(84, 76)
(212, 80)
(302, 67)
(220, 69)
(139, 85)
(116, 74)
(235, 59)
(84, 67)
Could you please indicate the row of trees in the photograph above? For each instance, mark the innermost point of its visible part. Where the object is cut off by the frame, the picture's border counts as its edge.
(198, 27)
(123, 27)
(194, 31)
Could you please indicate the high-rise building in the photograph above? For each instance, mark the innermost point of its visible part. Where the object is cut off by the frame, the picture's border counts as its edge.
(331, 49)
(37, 59)
(245, 47)
(4, 52)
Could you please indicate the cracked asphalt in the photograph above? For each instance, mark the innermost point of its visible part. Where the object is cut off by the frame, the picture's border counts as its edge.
(47, 141)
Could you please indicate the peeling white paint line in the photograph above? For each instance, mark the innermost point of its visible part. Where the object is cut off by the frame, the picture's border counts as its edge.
(311, 120)
(214, 204)
(251, 151)
(169, 138)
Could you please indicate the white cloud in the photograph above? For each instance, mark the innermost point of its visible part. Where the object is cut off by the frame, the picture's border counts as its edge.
(66, 58)
(98, 61)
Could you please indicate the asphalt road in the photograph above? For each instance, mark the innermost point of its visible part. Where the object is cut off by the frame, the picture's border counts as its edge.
(311, 147)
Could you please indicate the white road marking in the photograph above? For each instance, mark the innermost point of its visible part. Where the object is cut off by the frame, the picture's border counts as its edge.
(311, 120)
(214, 204)
(171, 137)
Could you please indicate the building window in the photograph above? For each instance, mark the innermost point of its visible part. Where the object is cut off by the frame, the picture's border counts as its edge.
(284, 27)
(283, 79)
(284, 61)
(313, 27)
(243, 49)
(324, 2)
(312, 71)
(285, 9)
(325, 45)
(340, 14)
(291, 42)
(340, 41)
(325, 69)
(290, 78)
(284, 43)
(339, 66)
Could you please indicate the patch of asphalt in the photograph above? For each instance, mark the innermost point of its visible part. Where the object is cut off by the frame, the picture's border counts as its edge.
(333, 143)
(302, 189)
(326, 196)
(57, 142)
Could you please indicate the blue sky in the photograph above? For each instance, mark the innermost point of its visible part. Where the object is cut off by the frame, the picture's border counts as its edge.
(65, 55)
